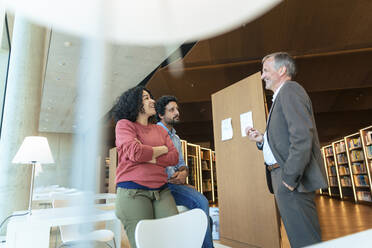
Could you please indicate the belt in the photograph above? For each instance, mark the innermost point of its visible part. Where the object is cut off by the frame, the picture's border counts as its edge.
(272, 166)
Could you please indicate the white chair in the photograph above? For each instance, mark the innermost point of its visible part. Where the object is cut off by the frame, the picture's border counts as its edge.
(185, 230)
(71, 235)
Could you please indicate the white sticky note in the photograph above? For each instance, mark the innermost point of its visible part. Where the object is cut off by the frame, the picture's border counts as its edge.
(246, 120)
(226, 129)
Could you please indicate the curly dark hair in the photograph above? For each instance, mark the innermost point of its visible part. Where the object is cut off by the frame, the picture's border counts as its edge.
(161, 103)
(129, 104)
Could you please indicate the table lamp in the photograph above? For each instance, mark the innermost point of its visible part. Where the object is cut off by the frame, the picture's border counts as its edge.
(34, 150)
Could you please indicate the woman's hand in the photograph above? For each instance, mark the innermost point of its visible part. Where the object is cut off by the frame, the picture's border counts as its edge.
(158, 151)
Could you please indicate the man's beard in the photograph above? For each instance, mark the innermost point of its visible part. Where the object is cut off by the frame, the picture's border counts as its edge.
(172, 122)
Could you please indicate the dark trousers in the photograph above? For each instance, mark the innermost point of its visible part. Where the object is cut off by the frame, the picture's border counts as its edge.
(298, 212)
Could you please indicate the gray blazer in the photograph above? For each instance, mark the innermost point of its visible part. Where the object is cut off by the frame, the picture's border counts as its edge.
(293, 139)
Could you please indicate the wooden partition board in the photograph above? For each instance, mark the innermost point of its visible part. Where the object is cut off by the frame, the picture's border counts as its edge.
(112, 170)
(248, 215)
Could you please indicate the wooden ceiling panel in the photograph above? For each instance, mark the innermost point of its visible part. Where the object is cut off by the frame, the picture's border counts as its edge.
(199, 54)
(197, 85)
(344, 71)
(299, 27)
(158, 85)
(336, 125)
(342, 100)
(196, 111)
(198, 131)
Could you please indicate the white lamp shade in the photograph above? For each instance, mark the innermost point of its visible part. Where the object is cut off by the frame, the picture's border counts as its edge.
(142, 21)
(34, 149)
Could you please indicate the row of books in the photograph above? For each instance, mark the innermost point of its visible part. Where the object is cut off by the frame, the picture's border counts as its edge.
(358, 167)
(341, 158)
(332, 171)
(361, 180)
(369, 151)
(107, 174)
(345, 181)
(328, 151)
(356, 155)
(343, 170)
(207, 185)
(333, 181)
(330, 161)
(364, 196)
(355, 143)
(340, 147)
(368, 137)
(191, 162)
(204, 155)
(205, 165)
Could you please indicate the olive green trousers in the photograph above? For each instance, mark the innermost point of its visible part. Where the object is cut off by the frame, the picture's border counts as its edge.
(133, 205)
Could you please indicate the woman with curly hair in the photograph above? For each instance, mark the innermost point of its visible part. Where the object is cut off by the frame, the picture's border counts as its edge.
(144, 151)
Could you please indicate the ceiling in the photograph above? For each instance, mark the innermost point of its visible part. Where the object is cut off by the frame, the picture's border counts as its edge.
(68, 66)
(331, 42)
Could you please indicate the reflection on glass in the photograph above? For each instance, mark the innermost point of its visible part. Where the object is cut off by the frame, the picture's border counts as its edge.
(4, 61)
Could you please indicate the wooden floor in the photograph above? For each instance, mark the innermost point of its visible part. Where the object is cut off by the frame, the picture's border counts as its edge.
(339, 218)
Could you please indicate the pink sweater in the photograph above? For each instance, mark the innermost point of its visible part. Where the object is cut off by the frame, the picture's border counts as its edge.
(133, 157)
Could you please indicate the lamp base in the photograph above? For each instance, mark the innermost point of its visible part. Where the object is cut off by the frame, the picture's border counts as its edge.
(31, 188)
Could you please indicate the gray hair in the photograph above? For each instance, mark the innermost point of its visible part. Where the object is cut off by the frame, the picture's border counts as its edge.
(283, 59)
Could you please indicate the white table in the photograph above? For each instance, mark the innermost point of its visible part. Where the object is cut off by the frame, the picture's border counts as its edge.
(44, 200)
(34, 231)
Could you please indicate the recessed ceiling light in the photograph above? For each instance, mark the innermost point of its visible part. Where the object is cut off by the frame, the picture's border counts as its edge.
(67, 43)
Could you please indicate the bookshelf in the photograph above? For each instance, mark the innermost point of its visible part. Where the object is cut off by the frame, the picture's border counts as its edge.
(113, 162)
(352, 158)
(107, 174)
(184, 154)
(207, 182)
(202, 169)
(214, 171)
(330, 168)
(344, 176)
(355, 156)
(192, 160)
(364, 174)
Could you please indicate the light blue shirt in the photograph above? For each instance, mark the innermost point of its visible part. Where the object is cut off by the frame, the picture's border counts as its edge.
(177, 143)
(268, 154)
